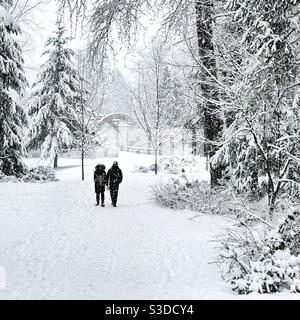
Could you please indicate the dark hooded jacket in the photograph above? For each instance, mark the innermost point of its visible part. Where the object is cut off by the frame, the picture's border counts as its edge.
(114, 177)
(100, 178)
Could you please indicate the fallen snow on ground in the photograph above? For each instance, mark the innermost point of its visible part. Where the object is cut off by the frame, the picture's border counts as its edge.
(55, 244)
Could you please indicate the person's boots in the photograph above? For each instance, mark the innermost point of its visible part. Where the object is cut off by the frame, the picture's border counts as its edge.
(97, 199)
(102, 205)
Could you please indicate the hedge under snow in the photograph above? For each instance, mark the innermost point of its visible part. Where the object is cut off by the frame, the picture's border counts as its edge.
(39, 174)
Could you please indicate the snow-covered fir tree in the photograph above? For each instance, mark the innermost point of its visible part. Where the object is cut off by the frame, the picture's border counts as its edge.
(53, 103)
(12, 84)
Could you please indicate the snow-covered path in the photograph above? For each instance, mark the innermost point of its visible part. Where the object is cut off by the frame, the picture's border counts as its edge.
(55, 244)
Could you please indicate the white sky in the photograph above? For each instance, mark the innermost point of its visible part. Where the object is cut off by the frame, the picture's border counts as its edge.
(45, 18)
(44, 23)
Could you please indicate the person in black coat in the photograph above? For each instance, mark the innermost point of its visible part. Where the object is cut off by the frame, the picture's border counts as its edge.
(100, 182)
(114, 178)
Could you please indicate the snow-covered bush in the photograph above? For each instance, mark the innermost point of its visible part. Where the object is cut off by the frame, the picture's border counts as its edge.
(143, 169)
(38, 174)
(290, 233)
(272, 274)
(174, 165)
(168, 167)
(254, 260)
(177, 165)
(5, 178)
(195, 195)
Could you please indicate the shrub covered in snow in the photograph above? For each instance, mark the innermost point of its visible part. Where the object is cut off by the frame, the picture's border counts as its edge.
(252, 262)
(195, 195)
(290, 233)
(38, 174)
(144, 169)
(5, 178)
(178, 165)
(174, 165)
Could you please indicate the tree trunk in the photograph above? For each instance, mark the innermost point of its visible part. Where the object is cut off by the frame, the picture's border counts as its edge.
(172, 146)
(156, 163)
(55, 165)
(160, 148)
(213, 124)
(194, 140)
(273, 199)
(82, 166)
(183, 144)
(272, 205)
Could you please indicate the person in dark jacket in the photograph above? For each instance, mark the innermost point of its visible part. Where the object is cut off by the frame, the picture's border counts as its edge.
(114, 178)
(100, 182)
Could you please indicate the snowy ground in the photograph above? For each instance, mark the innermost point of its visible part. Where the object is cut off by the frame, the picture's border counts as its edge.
(55, 244)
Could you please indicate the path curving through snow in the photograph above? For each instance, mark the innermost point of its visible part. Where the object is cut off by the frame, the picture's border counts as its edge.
(55, 244)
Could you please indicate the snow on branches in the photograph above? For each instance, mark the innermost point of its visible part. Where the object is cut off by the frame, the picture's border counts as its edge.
(254, 262)
(261, 141)
(6, 19)
(12, 85)
(53, 103)
(159, 104)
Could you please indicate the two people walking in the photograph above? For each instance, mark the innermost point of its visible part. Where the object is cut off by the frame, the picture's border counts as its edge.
(111, 179)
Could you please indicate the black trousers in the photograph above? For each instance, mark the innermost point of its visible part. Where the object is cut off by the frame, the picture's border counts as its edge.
(98, 197)
(114, 195)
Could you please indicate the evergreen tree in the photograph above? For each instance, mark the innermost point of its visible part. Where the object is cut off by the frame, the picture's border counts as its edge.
(12, 84)
(56, 93)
